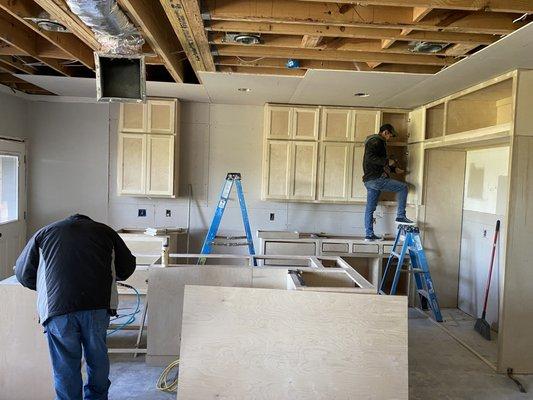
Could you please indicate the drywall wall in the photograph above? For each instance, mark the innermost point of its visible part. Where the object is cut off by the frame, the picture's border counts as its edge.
(216, 139)
(72, 168)
(13, 111)
(485, 199)
(68, 146)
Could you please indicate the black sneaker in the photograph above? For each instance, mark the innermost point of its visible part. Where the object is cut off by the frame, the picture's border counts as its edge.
(404, 221)
(372, 238)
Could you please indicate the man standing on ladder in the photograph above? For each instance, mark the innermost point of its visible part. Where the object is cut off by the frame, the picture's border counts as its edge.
(377, 168)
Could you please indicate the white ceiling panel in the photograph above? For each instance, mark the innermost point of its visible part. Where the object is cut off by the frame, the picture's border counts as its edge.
(223, 88)
(338, 87)
(86, 87)
(512, 52)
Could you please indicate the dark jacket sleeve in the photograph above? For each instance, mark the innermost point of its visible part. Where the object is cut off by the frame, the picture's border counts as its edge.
(375, 152)
(125, 262)
(27, 264)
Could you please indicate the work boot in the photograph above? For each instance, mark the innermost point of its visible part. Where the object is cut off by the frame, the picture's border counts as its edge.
(404, 221)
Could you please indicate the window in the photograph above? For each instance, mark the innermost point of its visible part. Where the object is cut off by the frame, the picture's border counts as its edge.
(8, 188)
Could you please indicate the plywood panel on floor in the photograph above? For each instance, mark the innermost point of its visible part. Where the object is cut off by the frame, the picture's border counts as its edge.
(25, 371)
(242, 343)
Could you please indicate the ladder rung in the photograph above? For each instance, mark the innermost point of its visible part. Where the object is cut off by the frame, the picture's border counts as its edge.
(230, 244)
(423, 293)
(395, 254)
(417, 270)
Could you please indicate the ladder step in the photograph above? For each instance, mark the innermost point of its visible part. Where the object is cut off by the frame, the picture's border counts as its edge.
(423, 293)
(393, 253)
(417, 270)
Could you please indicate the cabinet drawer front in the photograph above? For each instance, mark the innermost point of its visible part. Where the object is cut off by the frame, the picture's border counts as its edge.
(132, 161)
(343, 248)
(336, 125)
(289, 248)
(160, 169)
(366, 248)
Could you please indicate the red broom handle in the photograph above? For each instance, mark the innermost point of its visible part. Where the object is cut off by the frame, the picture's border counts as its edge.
(496, 233)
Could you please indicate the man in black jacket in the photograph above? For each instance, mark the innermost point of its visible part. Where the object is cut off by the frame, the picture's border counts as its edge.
(377, 168)
(74, 265)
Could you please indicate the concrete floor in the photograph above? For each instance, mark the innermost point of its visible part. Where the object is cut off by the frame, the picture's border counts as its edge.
(439, 367)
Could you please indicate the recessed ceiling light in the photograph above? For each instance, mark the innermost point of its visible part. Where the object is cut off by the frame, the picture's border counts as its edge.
(361, 94)
(244, 89)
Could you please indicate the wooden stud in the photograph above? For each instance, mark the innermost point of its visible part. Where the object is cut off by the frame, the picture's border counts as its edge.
(151, 17)
(17, 64)
(316, 64)
(348, 32)
(311, 41)
(333, 55)
(59, 10)
(64, 41)
(24, 39)
(506, 6)
(185, 18)
(290, 11)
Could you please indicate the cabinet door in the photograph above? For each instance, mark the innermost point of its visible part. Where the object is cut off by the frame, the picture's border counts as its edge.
(160, 165)
(416, 125)
(305, 123)
(303, 170)
(415, 173)
(131, 166)
(335, 171)
(366, 123)
(278, 122)
(162, 116)
(132, 117)
(336, 125)
(357, 187)
(276, 170)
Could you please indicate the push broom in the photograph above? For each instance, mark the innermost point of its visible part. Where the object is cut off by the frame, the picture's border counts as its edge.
(482, 326)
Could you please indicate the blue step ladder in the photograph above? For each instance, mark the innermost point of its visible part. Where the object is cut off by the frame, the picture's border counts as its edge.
(231, 178)
(410, 235)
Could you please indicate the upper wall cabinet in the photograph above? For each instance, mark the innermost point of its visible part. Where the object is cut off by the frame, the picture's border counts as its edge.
(296, 123)
(154, 116)
(148, 149)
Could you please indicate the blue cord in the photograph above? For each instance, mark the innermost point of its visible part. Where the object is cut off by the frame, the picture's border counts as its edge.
(132, 315)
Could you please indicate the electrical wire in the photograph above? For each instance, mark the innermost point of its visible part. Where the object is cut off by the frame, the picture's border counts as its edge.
(131, 316)
(249, 61)
(163, 384)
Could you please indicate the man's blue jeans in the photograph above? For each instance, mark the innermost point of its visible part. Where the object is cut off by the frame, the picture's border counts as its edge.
(374, 189)
(67, 335)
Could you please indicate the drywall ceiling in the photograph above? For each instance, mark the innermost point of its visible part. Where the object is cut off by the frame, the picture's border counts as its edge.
(332, 87)
(86, 87)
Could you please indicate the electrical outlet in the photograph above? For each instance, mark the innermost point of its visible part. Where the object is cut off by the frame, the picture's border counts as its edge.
(168, 213)
(484, 233)
(141, 212)
(272, 216)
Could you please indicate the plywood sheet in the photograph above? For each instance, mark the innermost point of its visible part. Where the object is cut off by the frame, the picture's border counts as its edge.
(444, 185)
(25, 371)
(241, 343)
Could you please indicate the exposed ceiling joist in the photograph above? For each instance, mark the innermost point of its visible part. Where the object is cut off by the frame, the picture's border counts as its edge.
(507, 6)
(333, 55)
(291, 11)
(310, 41)
(59, 10)
(150, 16)
(262, 71)
(185, 18)
(68, 43)
(459, 49)
(349, 32)
(14, 64)
(24, 39)
(316, 64)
